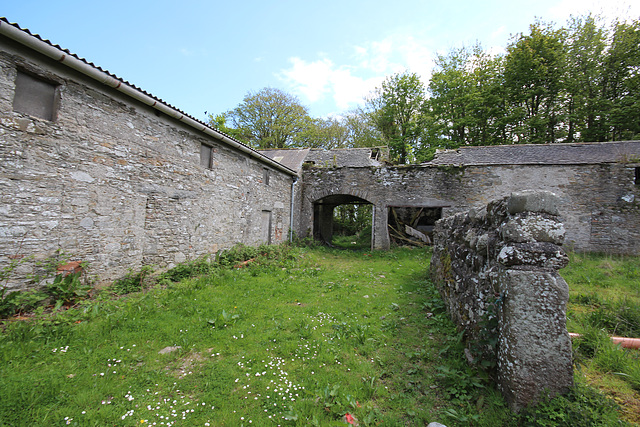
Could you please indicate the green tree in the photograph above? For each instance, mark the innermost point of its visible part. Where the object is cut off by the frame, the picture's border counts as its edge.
(271, 118)
(622, 82)
(219, 121)
(327, 133)
(396, 109)
(450, 88)
(586, 46)
(533, 79)
(467, 102)
(361, 129)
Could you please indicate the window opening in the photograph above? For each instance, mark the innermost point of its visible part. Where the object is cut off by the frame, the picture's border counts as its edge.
(35, 97)
(206, 156)
(266, 227)
(266, 173)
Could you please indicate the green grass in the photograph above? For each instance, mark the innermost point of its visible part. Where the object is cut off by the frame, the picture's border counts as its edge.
(360, 241)
(296, 337)
(604, 301)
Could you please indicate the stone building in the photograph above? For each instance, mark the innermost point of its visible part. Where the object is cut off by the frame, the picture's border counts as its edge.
(598, 185)
(111, 175)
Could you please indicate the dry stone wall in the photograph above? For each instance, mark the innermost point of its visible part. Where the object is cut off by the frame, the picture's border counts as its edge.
(118, 185)
(496, 268)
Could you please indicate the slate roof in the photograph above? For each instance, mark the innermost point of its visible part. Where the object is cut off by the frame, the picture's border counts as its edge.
(349, 157)
(293, 158)
(542, 154)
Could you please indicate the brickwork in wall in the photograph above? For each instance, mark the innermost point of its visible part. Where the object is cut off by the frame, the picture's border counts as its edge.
(116, 184)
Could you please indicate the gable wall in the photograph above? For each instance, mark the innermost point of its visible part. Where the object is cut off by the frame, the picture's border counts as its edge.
(113, 183)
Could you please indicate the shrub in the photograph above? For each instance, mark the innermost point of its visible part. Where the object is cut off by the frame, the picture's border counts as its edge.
(67, 288)
(581, 406)
(132, 281)
(198, 267)
(8, 304)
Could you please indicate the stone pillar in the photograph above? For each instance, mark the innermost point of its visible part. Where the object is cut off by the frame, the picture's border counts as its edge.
(534, 348)
(380, 228)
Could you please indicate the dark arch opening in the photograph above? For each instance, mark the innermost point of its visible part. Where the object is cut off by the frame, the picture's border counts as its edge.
(354, 215)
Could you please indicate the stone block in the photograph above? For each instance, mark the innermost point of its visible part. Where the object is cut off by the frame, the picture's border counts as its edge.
(538, 254)
(533, 228)
(533, 201)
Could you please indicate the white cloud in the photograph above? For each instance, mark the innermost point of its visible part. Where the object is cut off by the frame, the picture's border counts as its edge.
(317, 80)
(349, 90)
(348, 84)
(310, 79)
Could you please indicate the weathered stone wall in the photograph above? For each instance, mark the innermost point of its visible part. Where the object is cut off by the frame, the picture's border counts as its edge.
(118, 185)
(599, 204)
(496, 268)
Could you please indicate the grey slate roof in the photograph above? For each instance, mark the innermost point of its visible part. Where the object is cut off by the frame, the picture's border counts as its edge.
(293, 158)
(542, 154)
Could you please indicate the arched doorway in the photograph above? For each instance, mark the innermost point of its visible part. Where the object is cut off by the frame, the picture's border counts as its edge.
(354, 215)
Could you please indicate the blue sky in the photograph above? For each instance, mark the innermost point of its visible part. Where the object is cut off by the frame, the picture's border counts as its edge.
(206, 55)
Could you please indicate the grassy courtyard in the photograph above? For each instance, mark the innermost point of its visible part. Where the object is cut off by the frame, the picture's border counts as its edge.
(296, 337)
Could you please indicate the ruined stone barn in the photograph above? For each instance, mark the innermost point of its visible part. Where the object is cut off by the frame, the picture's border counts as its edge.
(598, 185)
(112, 175)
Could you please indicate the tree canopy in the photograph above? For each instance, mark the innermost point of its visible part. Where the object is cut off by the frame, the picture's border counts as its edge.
(270, 118)
(578, 83)
(396, 112)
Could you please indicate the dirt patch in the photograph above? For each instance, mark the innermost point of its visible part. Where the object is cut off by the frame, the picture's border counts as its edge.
(187, 365)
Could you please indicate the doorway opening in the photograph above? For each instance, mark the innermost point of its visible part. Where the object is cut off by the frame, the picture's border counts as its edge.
(343, 221)
(412, 225)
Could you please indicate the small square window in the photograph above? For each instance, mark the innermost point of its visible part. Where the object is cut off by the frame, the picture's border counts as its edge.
(35, 97)
(266, 173)
(206, 156)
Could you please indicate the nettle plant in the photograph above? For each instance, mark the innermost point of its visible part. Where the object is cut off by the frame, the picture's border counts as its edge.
(60, 287)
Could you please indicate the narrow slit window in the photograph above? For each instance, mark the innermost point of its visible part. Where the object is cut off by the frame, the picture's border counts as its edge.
(35, 97)
(637, 180)
(266, 173)
(206, 156)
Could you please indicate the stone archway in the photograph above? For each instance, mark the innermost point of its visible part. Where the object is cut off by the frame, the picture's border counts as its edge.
(323, 209)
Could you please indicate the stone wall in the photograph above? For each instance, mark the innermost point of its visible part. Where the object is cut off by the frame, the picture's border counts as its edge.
(117, 184)
(599, 203)
(496, 268)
